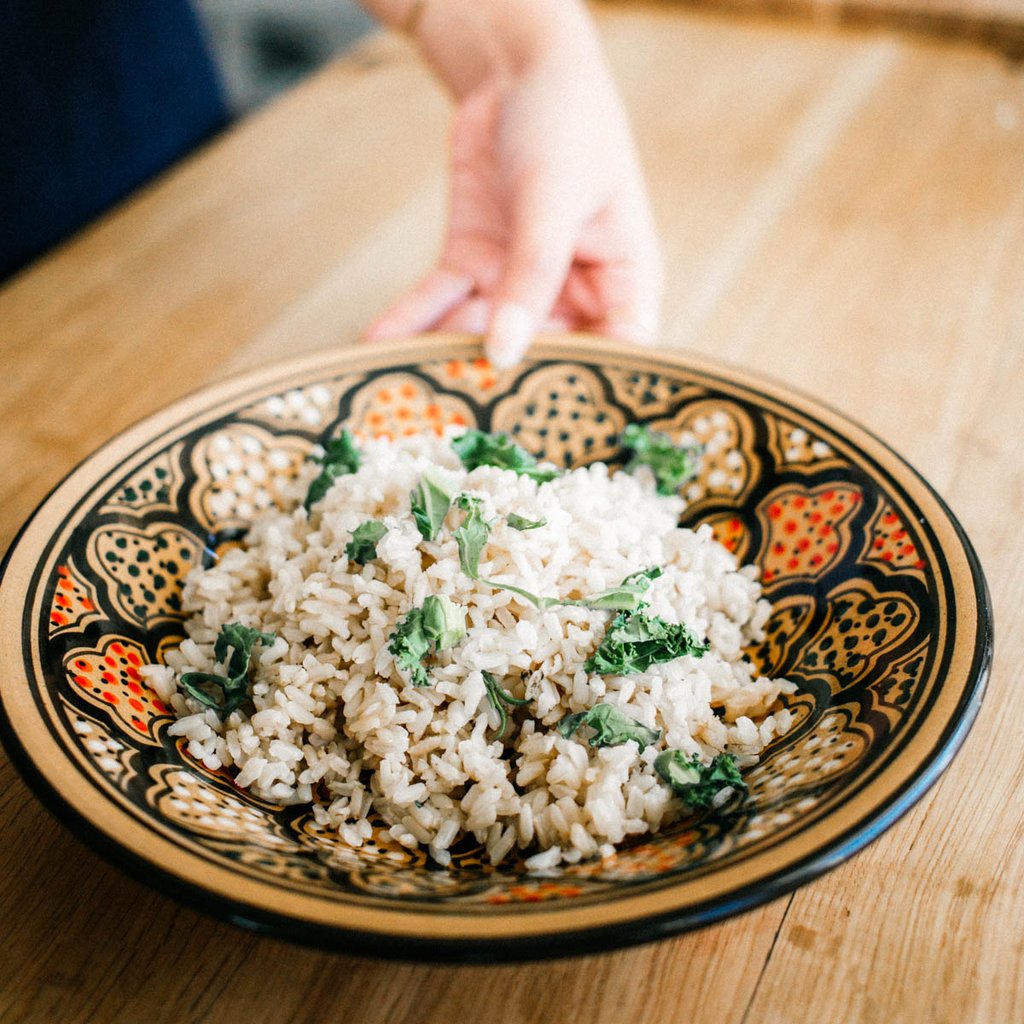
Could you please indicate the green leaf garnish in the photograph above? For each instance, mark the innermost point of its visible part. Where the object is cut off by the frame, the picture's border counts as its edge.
(634, 642)
(437, 625)
(233, 649)
(444, 622)
(698, 783)
(339, 458)
(430, 503)
(626, 597)
(471, 534)
(611, 727)
(478, 448)
(671, 464)
(362, 548)
(499, 698)
(521, 523)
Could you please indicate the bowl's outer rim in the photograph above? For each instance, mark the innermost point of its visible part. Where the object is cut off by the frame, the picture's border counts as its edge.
(548, 941)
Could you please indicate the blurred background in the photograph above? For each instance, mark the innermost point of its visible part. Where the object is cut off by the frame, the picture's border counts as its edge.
(264, 46)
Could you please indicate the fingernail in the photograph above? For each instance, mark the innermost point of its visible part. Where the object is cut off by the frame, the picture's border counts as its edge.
(510, 335)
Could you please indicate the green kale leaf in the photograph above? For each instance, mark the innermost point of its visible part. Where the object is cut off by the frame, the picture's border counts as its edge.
(233, 649)
(697, 783)
(362, 548)
(430, 503)
(478, 448)
(437, 625)
(626, 597)
(339, 458)
(671, 464)
(471, 534)
(634, 642)
(611, 726)
(521, 523)
(444, 622)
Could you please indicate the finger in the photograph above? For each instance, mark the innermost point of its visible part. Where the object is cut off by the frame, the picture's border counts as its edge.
(636, 281)
(421, 308)
(632, 290)
(471, 316)
(558, 324)
(539, 256)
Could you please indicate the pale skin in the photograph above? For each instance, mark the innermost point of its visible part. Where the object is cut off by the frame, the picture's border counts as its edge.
(549, 223)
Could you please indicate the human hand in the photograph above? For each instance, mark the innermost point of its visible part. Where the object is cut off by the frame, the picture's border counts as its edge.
(549, 225)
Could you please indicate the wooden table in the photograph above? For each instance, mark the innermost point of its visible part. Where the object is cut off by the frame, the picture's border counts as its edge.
(843, 211)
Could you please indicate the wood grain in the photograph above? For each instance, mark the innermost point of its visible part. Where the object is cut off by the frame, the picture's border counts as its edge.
(998, 24)
(840, 210)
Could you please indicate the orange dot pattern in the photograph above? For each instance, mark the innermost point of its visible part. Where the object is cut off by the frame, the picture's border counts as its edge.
(534, 892)
(731, 532)
(400, 405)
(74, 600)
(889, 543)
(475, 374)
(805, 530)
(109, 679)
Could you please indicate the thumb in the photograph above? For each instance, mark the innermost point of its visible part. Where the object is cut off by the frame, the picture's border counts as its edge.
(540, 253)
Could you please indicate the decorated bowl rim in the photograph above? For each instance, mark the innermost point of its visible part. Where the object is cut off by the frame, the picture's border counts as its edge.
(552, 938)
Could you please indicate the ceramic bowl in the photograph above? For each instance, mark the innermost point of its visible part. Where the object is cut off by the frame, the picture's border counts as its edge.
(881, 618)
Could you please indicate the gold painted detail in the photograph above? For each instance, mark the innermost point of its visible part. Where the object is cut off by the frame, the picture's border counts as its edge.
(304, 408)
(194, 804)
(152, 488)
(241, 470)
(143, 569)
(111, 755)
(860, 631)
(651, 394)
(560, 414)
(794, 447)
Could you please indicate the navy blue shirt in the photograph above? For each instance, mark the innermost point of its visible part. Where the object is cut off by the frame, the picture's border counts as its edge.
(96, 97)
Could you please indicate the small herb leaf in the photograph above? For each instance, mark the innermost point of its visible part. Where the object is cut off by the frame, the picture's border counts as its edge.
(444, 622)
(233, 649)
(362, 548)
(341, 456)
(611, 727)
(430, 503)
(635, 641)
(698, 783)
(499, 698)
(438, 624)
(478, 448)
(521, 523)
(671, 464)
(471, 534)
(626, 597)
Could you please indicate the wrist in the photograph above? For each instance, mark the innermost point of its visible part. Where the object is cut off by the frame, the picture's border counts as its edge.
(469, 42)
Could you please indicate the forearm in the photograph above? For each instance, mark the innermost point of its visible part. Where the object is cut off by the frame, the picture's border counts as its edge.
(469, 42)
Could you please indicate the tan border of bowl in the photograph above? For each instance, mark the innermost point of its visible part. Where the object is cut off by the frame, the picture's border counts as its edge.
(263, 904)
